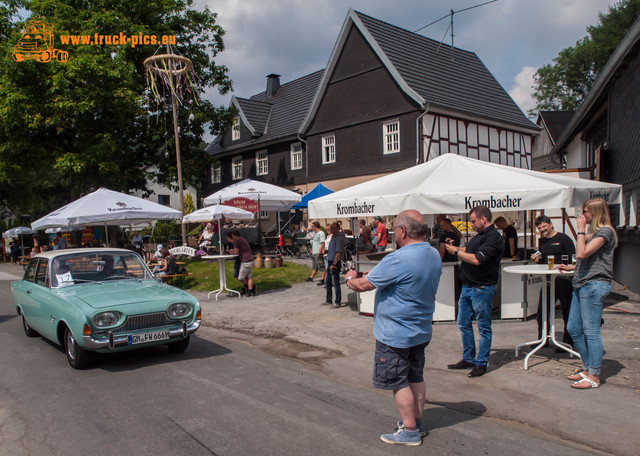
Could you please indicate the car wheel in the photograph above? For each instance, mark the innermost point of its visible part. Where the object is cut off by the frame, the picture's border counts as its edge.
(179, 346)
(27, 329)
(77, 356)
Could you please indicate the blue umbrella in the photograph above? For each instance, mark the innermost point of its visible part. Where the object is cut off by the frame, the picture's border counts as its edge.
(316, 192)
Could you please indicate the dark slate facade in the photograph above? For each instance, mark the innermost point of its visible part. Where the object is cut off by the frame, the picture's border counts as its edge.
(388, 99)
(606, 125)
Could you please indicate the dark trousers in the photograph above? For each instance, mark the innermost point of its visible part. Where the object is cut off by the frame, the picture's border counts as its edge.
(563, 290)
(332, 279)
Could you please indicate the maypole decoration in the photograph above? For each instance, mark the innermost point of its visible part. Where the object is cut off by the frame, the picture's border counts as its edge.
(172, 74)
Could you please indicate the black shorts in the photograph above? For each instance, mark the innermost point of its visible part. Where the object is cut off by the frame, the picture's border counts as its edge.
(394, 368)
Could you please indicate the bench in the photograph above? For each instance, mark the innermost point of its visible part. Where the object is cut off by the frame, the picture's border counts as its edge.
(171, 277)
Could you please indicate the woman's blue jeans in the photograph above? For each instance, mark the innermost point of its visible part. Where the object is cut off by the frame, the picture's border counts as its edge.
(584, 323)
(476, 301)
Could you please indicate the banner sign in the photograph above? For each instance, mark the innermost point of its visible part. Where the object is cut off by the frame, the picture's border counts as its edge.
(243, 203)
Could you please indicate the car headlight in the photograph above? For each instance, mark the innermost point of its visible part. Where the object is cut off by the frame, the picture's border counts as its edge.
(104, 319)
(179, 309)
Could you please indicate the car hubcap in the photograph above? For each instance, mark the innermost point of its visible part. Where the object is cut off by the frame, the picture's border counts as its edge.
(71, 346)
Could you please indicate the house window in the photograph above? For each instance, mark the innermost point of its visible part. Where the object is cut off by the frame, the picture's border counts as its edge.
(165, 200)
(236, 166)
(262, 163)
(328, 149)
(216, 173)
(235, 129)
(391, 134)
(263, 215)
(296, 156)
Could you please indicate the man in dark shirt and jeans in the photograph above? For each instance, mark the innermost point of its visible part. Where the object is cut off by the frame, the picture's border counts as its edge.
(334, 264)
(479, 272)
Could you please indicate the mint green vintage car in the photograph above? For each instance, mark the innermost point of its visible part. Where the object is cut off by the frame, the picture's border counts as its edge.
(101, 300)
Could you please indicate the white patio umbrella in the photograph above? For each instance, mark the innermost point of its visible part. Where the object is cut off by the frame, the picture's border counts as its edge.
(210, 213)
(106, 207)
(17, 231)
(269, 197)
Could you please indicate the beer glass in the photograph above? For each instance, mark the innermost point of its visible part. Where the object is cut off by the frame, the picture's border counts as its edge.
(550, 261)
(565, 259)
(573, 259)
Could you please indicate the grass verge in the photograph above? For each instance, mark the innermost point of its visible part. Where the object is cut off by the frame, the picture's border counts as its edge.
(206, 276)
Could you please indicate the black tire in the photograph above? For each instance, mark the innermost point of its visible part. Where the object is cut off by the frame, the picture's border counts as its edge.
(179, 346)
(77, 356)
(28, 330)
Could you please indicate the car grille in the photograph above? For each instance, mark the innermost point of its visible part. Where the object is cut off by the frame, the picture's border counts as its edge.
(147, 321)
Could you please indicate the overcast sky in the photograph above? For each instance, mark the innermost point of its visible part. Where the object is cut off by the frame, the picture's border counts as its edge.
(513, 38)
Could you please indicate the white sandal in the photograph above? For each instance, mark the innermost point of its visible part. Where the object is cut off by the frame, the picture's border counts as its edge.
(582, 384)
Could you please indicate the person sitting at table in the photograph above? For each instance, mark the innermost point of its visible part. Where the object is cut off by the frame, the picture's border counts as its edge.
(34, 251)
(447, 233)
(365, 245)
(556, 244)
(204, 240)
(168, 264)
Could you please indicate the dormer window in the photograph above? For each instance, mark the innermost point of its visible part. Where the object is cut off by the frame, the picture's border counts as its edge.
(235, 129)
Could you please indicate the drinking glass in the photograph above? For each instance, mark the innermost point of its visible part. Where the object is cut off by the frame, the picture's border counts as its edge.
(565, 259)
(550, 261)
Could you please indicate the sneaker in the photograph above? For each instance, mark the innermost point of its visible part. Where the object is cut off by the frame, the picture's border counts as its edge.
(254, 290)
(478, 371)
(337, 305)
(403, 437)
(419, 425)
(462, 364)
(309, 279)
(326, 303)
(321, 283)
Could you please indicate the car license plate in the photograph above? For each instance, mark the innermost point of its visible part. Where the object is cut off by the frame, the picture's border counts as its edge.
(148, 337)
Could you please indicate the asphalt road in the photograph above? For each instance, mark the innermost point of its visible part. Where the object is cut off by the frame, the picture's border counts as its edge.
(223, 397)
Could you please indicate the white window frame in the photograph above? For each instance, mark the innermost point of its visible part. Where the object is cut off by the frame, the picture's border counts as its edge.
(296, 156)
(216, 173)
(263, 215)
(236, 168)
(262, 163)
(391, 137)
(328, 149)
(235, 129)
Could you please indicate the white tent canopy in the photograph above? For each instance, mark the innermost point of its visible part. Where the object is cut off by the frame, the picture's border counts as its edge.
(455, 184)
(14, 232)
(269, 197)
(106, 207)
(210, 213)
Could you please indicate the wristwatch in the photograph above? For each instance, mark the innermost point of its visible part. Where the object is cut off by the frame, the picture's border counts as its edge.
(456, 252)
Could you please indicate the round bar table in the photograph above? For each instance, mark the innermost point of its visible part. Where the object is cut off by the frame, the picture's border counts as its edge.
(223, 273)
(548, 331)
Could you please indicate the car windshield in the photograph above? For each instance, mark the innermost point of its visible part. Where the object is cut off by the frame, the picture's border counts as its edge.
(77, 268)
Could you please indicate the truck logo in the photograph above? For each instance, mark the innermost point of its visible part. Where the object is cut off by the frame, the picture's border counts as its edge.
(37, 43)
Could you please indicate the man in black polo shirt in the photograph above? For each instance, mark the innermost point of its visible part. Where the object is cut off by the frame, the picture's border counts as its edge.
(479, 271)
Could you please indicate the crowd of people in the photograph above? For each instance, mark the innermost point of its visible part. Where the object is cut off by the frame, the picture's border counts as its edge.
(406, 282)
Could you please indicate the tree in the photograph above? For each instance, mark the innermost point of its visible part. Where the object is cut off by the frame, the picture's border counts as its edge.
(565, 83)
(67, 128)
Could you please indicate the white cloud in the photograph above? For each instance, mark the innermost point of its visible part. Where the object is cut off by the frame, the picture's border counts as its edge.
(522, 89)
(295, 37)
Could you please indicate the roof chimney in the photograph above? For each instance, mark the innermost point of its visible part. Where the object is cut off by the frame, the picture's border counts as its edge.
(273, 84)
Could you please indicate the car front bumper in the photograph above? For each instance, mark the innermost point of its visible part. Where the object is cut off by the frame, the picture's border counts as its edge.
(112, 341)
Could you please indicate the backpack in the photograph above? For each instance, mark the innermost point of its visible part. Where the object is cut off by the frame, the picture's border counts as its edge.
(180, 269)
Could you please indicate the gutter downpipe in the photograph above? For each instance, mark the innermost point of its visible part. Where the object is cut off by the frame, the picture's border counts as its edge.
(425, 107)
(306, 162)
